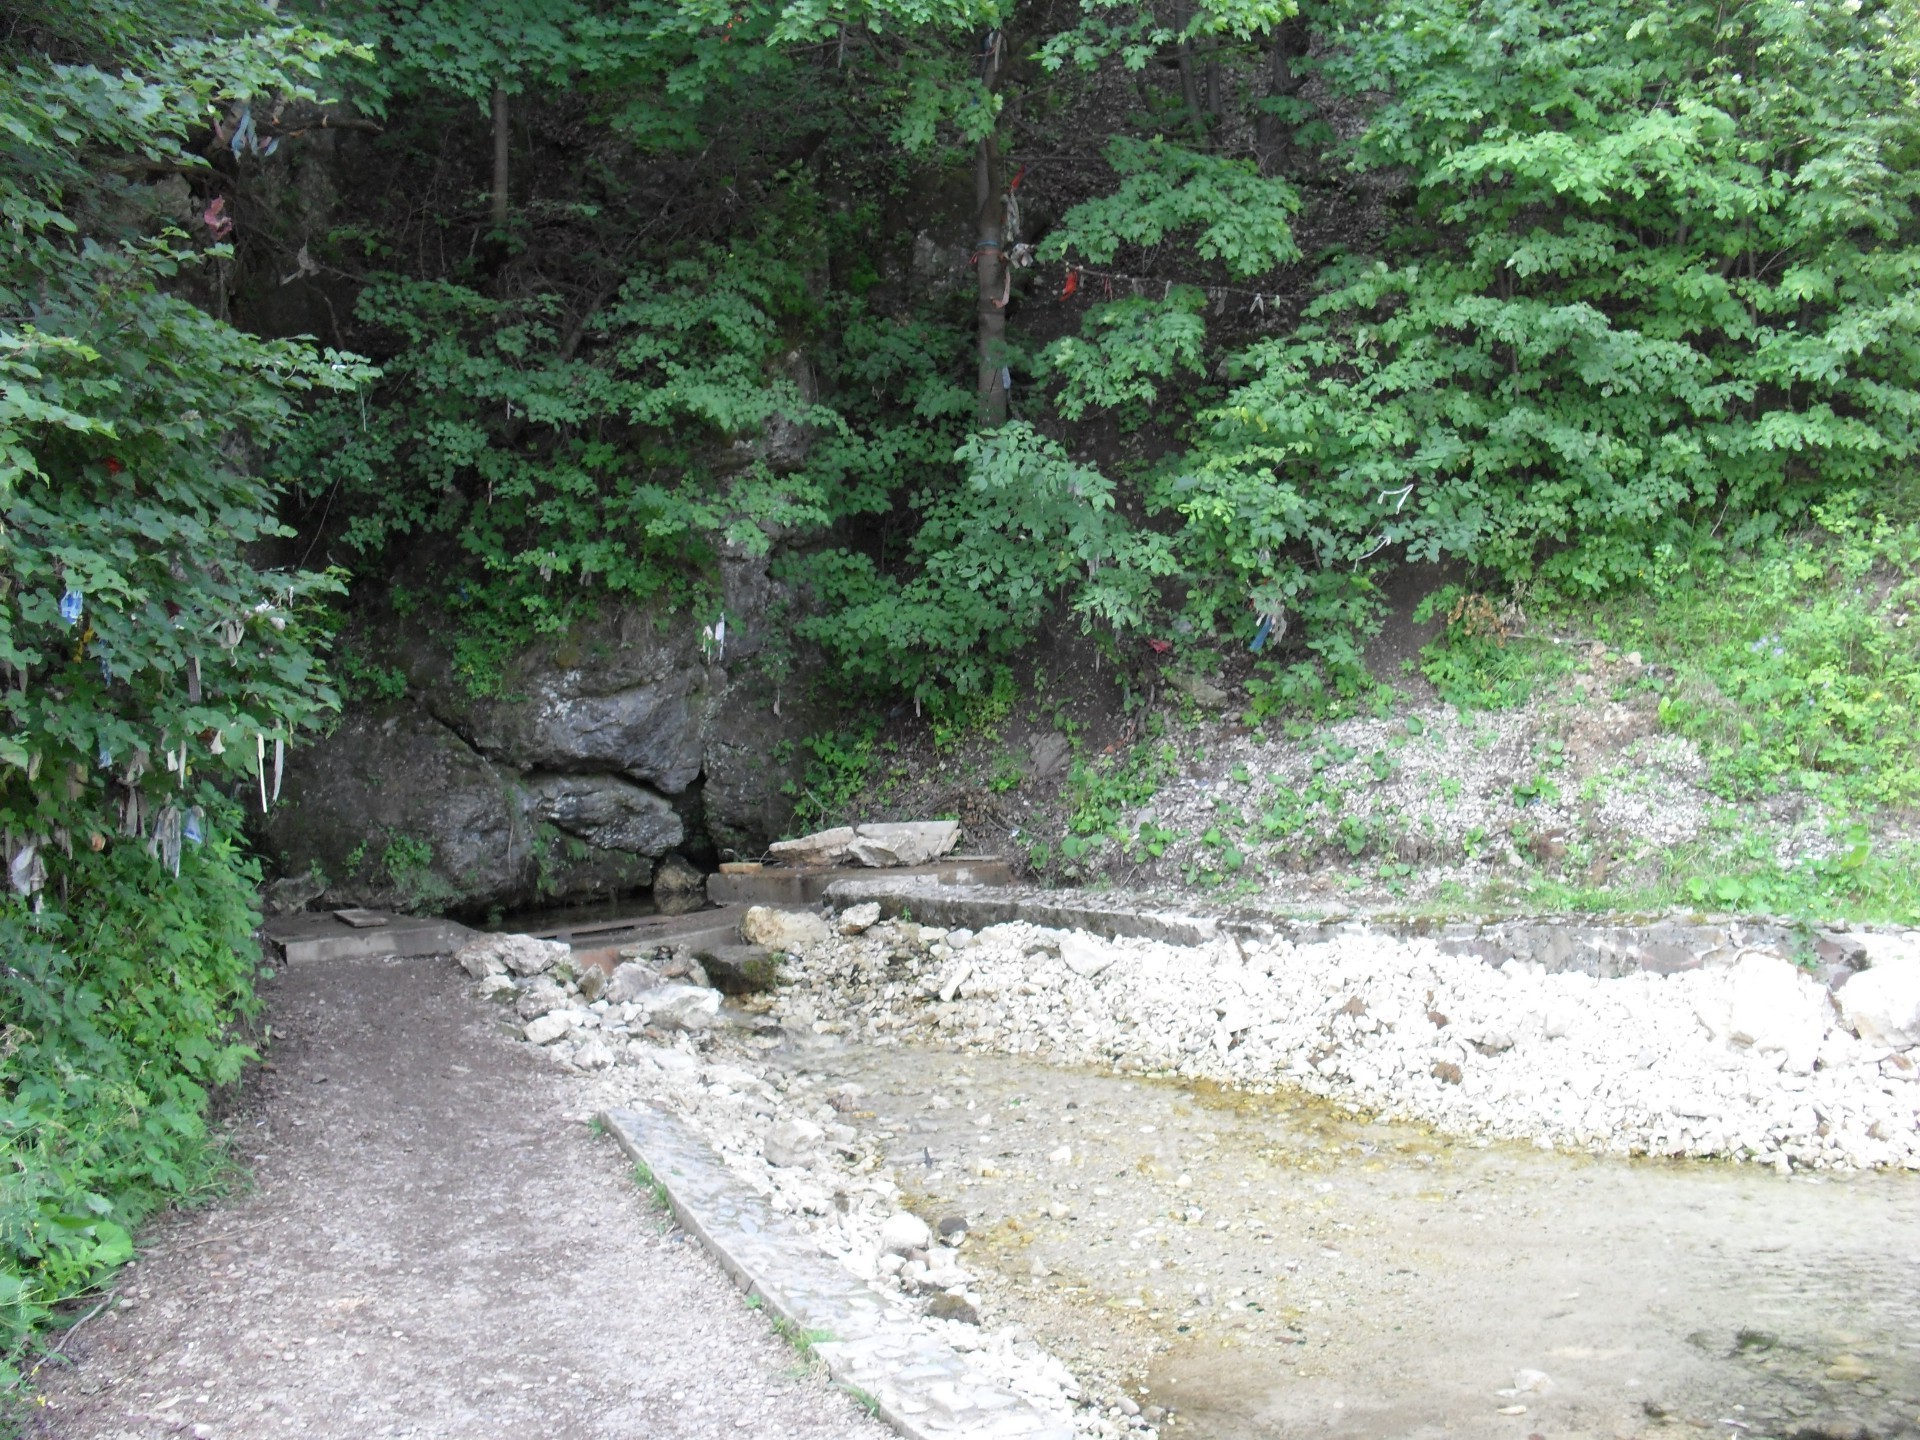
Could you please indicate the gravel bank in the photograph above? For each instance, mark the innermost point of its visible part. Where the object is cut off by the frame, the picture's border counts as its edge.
(1752, 1061)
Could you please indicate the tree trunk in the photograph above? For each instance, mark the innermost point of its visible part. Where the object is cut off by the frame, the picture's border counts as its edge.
(994, 276)
(1189, 74)
(1289, 43)
(499, 156)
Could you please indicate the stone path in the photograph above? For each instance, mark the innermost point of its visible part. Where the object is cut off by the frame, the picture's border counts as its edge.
(435, 1248)
(924, 1388)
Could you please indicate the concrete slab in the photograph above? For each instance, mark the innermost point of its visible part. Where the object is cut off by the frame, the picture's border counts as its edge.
(697, 929)
(920, 1385)
(324, 936)
(799, 887)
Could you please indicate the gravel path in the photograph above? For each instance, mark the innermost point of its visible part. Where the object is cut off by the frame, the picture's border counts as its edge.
(436, 1247)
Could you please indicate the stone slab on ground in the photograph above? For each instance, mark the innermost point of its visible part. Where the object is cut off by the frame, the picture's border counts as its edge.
(695, 929)
(923, 1388)
(324, 936)
(797, 886)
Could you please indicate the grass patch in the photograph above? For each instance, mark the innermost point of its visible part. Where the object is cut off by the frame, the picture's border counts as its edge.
(1796, 666)
(649, 1182)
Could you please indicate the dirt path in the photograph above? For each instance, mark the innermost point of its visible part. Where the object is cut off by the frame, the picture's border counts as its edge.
(435, 1247)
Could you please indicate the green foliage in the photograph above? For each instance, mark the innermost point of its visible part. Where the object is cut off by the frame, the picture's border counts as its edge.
(114, 1016)
(1653, 274)
(1026, 529)
(955, 717)
(1797, 666)
(144, 652)
(1124, 348)
(130, 618)
(1474, 662)
(1101, 792)
(836, 775)
(1243, 217)
(612, 458)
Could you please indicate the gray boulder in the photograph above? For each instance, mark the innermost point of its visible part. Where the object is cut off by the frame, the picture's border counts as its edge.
(681, 1007)
(630, 981)
(538, 999)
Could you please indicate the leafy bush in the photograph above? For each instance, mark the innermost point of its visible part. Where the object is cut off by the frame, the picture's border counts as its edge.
(114, 1025)
(1798, 665)
(1026, 529)
(144, 652)
(1650, 274)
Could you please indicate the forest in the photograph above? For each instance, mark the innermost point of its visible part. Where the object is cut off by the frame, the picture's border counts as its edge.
(974, 320)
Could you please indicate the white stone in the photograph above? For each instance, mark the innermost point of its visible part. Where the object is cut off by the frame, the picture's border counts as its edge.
(1775, 1009)
(785, 930)
(904, 1231)
(1882, 1004)
(1086, 955)
(630, 980)
(793, 1143)
(913, 842)
(822, 847)
(539, 998)
(593, 1053)
(522, 954)
(682, 1007)
(858, 919)
(549, 1027)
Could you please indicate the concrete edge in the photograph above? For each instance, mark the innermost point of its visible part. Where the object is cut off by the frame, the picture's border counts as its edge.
(683, 1167)
(1597, 946)
(410, 938)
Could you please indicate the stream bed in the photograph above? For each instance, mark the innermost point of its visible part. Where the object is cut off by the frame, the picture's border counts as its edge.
(1274, 1265)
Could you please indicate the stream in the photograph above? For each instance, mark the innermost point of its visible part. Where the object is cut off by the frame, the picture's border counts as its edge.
(1271, 1265)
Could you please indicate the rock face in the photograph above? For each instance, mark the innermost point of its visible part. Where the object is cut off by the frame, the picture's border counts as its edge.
(595, 755)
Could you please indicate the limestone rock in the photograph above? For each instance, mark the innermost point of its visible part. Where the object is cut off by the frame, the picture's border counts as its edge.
(292, 893)
(904, 1232)
(592, 983)
(1197, 688)
(913, 842)
(549, 1027)
(520, 954)
(1771, 1008)
(953, 1307)
(739, 969)
(823, 847)
(1086, 955)
(681, 1007)
(677, 875)
(793, 1142)
(539, 998)
(630, 981)
(593, 1054)
(1882, 1004)
(608, 812)
(787, 930)
(1051, 753)
(858, 919)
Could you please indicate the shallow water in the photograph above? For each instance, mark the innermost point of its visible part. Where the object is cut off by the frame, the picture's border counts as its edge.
(1272, 1266)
